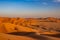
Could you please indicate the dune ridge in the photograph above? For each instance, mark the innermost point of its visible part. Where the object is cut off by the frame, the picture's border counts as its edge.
(29, 26)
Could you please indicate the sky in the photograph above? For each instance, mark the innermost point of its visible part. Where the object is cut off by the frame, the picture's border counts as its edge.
(30, 8)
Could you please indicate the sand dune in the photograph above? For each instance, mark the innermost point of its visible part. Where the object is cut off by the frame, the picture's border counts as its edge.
(29, 28)
(13, 37)
(29, 37)
(42, 25)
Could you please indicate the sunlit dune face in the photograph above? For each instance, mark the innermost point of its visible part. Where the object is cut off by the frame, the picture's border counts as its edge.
(52, 19)
(21, 19)
(1, 19)
(29, 25)
(58, 21)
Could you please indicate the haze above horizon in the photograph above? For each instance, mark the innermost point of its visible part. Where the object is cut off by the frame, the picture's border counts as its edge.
(30, 8)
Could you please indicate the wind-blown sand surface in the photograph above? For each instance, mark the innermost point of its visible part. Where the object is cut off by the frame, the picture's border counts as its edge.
(26, 37)
(13, 37)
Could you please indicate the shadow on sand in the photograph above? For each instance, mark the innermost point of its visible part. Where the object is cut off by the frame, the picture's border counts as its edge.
(53, 35)
(30, 34)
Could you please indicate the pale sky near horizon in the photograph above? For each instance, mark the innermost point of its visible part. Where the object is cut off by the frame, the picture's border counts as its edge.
(30, 8)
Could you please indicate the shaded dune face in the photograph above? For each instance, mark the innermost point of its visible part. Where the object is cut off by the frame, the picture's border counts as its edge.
(8, 27)
(30, 34)
(53, 35)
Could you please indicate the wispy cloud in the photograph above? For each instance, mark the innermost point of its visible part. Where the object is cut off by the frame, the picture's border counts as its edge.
(45, 3)
(56, 0)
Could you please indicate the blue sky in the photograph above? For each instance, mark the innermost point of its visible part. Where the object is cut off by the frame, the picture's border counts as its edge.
(30, 8)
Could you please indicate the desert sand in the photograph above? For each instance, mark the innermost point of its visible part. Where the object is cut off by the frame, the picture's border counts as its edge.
(29, 28)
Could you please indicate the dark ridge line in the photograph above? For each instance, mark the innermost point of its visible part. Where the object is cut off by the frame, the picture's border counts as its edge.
(30, 34)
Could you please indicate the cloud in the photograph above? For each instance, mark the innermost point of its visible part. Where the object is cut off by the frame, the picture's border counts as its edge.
(56, 0)
(45, 3)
